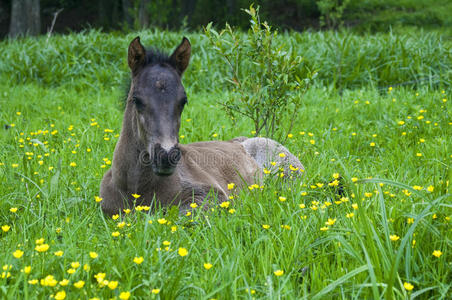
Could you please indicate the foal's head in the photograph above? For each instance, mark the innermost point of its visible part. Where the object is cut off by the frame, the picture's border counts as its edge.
(157, 98)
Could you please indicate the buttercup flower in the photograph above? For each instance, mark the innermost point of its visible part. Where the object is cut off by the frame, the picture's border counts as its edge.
(182, 252)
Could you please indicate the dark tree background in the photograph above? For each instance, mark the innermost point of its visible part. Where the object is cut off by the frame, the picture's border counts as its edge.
(32, 17)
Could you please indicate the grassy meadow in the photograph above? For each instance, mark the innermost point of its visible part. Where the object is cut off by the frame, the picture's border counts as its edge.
(378, 118)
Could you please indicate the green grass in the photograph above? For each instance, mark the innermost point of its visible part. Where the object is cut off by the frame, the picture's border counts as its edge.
(354, 259)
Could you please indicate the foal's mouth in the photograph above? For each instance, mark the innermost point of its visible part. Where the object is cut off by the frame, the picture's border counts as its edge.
(164, 172)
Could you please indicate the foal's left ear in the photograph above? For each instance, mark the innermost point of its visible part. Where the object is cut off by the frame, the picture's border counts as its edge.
(181, 56)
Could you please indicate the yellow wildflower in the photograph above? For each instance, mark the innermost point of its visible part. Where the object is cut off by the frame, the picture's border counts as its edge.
(437, 253)
(207, 266)
(408, 286)
(182, 252)
(278, 272)
(42, 248)
(394, 237)
(79, 284)
(138, 260)
(18, 253)
(61, 295)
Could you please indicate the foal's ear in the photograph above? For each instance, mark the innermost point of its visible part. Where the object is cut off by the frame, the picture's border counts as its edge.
(137, 55)
(181, 56)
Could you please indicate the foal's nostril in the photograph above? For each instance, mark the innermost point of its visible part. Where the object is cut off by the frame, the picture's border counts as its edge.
(174, 155)
(165, 159)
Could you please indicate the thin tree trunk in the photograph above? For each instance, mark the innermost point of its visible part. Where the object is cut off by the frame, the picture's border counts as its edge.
(126, 11)
(25, 18)
(143, 13)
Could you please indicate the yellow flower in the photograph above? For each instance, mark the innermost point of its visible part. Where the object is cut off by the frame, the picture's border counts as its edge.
(162, 221)
(14, 165)
(368, 195)
(430, 188)
(124, 295)
(112, 285)
(6, 228)
(282, 199)
(115, 217)
(73, 164)
(27, 269)
(350, 215)
(99, 277)
(138, 260)
(193, 205)
(42, 248)
(64, 282)
(231, 211)
(394, 237)
(13, 209)
(182, 252)
(97, 199)
(278, 272)
(33, 281)
(49, 280)
(330, 222)
(115, 234)
(372, 144)
(121, 225)
(417, 187)
(155, 291)
(324, 228)
(86, 267)
(93, 255)
(312, 142)
(75, 264)
(126, 211)
(225, 204)
(408, 286)
(136, 196)
(207, 266)
(71, 271)
(79, 284)
(302, 205)
(60, 295)
(410, 220)
(401, 122)
(282, 155)
(58, 253)
(437, 253)
(290, 135)
(18, 253)
(265, 226)
(231, 186)
(355, 206)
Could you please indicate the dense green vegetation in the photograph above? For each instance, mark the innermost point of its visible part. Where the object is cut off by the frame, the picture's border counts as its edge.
(379, 116)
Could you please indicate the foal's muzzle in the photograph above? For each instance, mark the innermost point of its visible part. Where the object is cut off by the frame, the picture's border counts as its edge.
(164, 162)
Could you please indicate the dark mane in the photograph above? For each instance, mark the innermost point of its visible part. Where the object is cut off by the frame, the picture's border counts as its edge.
(153, 56)
(157, 56)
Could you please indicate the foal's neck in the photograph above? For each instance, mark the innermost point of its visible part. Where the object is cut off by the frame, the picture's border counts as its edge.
(131, 171)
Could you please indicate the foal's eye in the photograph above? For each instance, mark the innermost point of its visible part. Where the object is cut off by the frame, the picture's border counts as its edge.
(138, 103)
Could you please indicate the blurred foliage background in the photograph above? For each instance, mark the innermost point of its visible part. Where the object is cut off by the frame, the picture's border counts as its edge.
(125, 15)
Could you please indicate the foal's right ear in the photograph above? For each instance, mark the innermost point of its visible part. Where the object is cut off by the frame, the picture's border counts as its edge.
(137, 55)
